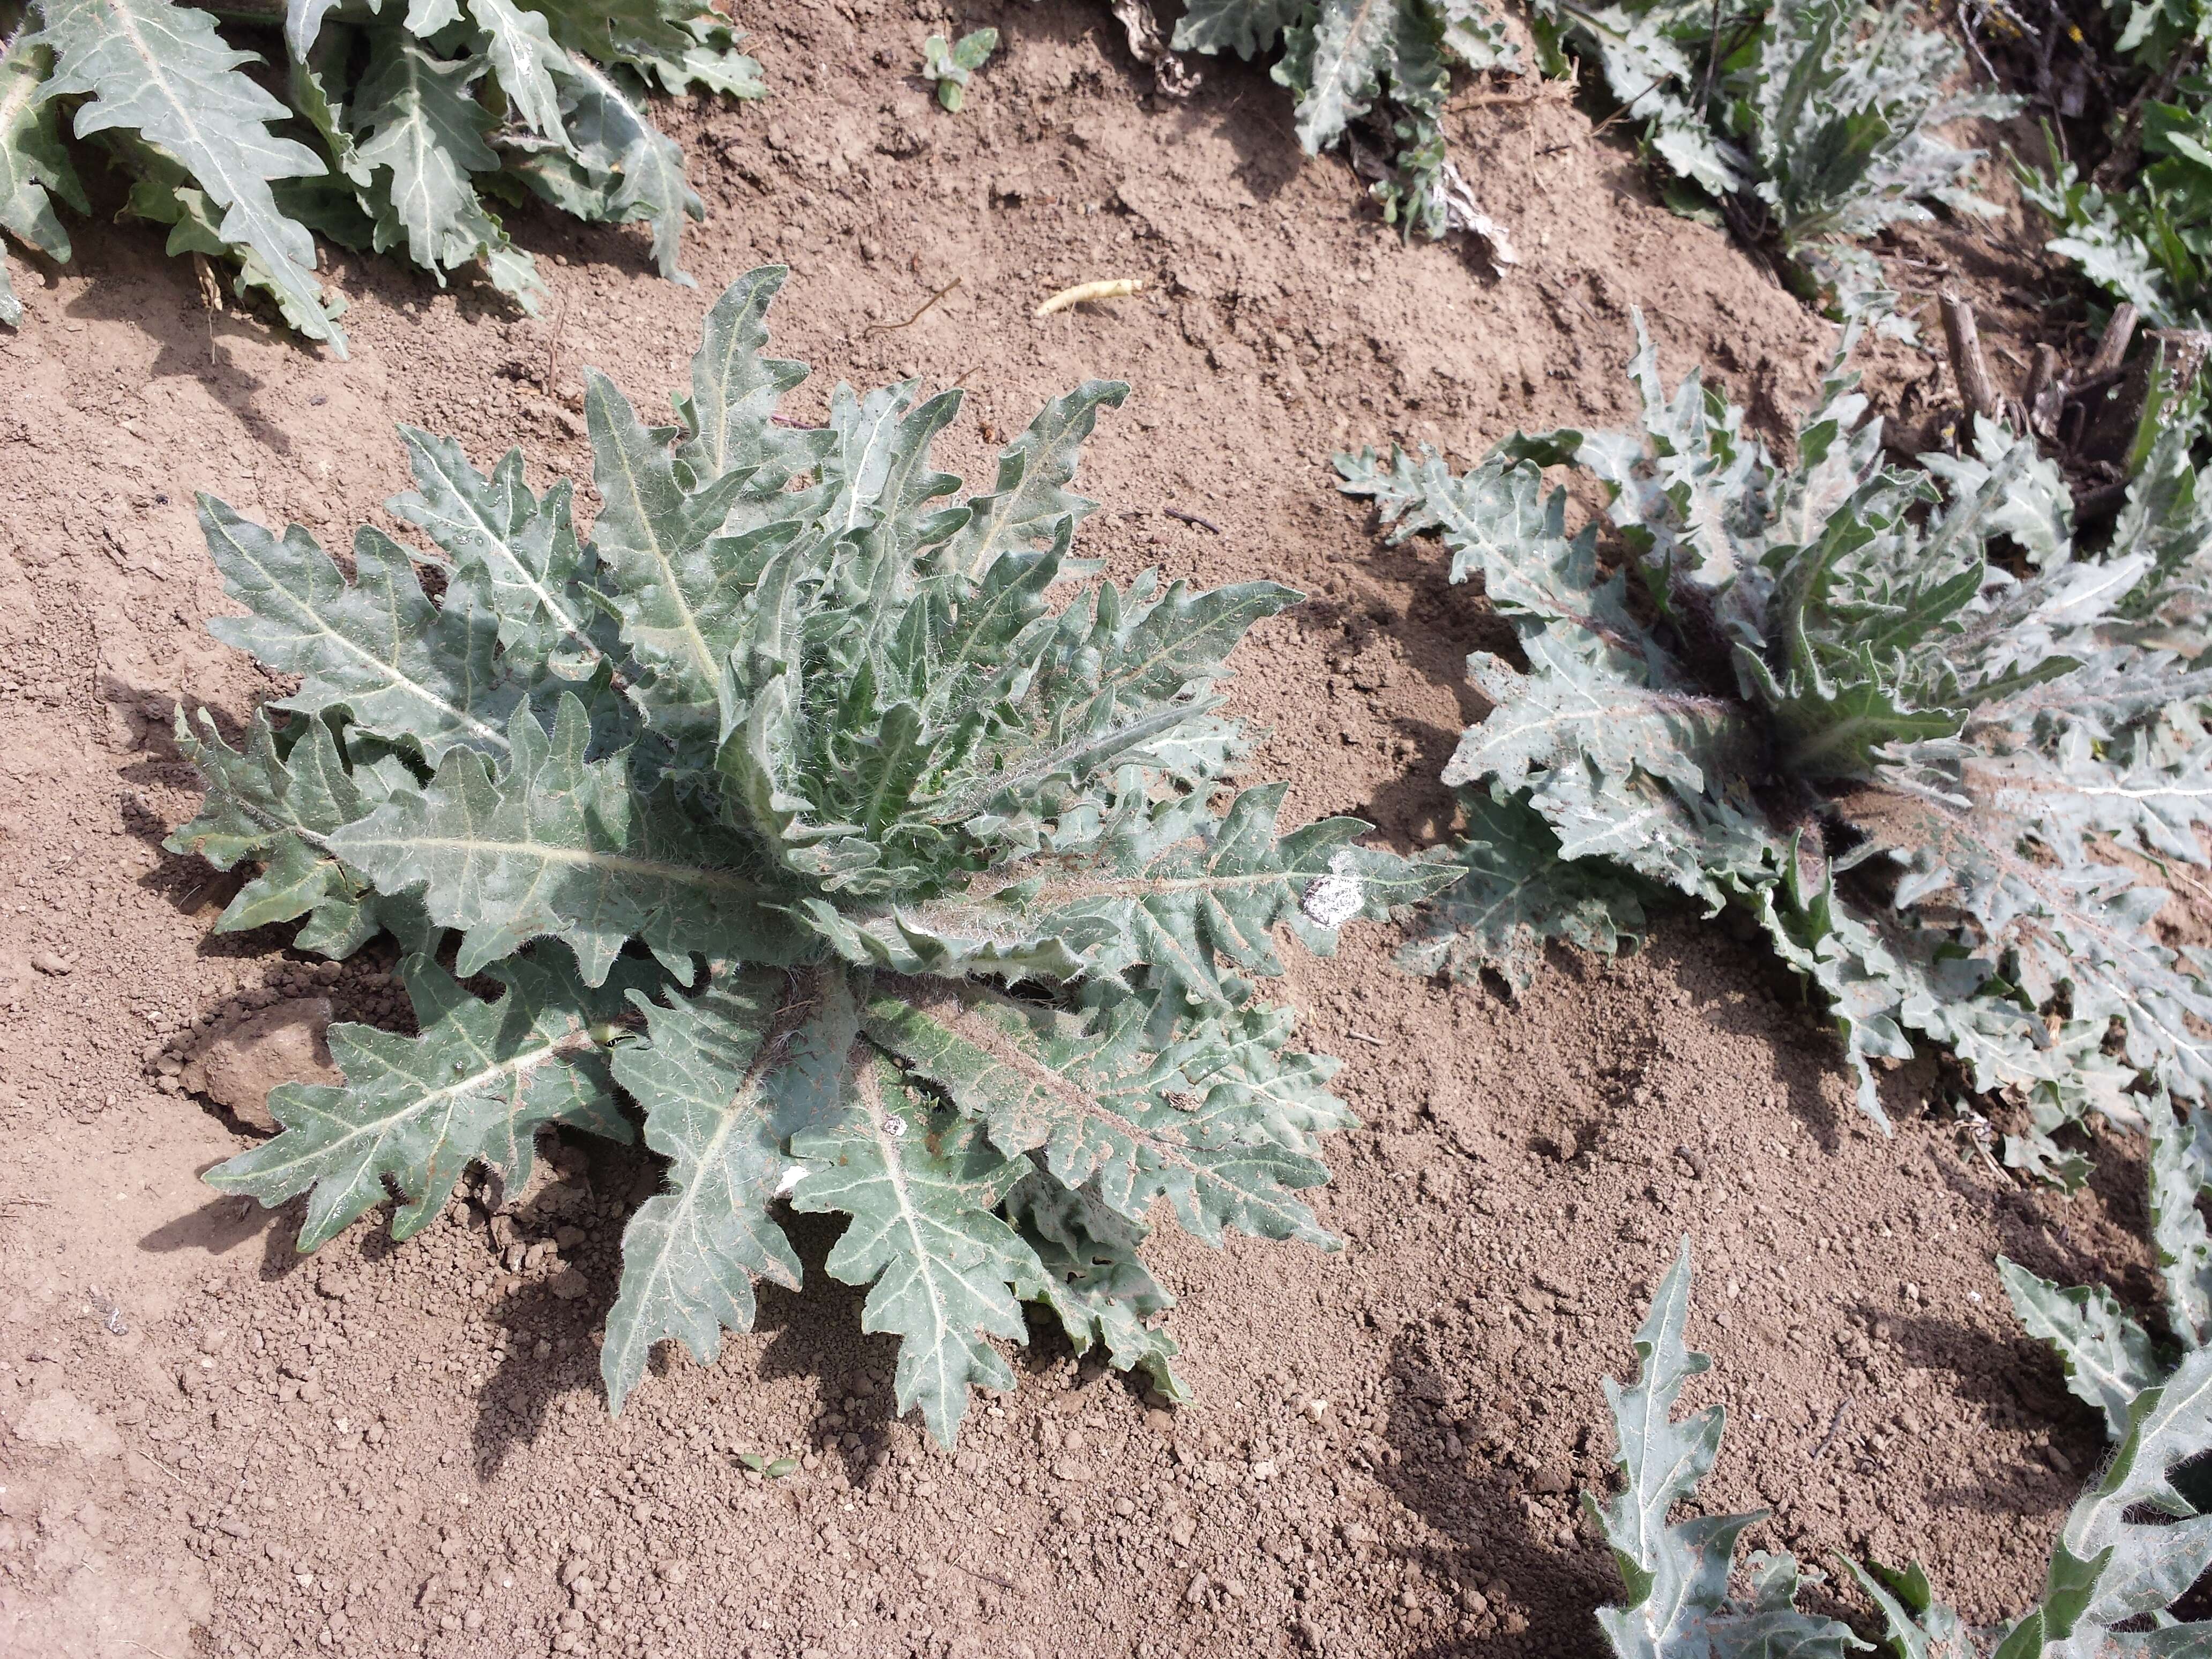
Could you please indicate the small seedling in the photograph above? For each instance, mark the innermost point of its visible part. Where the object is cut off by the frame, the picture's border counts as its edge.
(950, 66)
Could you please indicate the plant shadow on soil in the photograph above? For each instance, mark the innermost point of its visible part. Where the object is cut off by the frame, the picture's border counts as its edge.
(1478, 1512)
(228, 1220)
(812, 1334)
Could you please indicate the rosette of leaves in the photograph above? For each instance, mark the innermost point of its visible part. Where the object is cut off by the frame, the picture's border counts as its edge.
(1897, 716)
(1808, 125)
(2130, 1547)
(388, 128)
(791, 809)
(1386, 64)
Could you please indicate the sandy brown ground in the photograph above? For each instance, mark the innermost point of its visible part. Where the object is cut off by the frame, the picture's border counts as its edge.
(213, 1446)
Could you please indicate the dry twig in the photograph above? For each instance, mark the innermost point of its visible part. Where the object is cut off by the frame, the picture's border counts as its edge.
(893, 328)
(1968, 366)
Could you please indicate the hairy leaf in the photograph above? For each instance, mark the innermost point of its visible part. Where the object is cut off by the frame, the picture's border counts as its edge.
(950, 65)
(1825, 113)
(2132, 1546)
(1093, 1281)
(374, 648)
(160, 70)
(943, 1269)
(525, 546)
(2108, 1568)
(2181, 1173)
(280, 809)
(418, 114)
(2107, 1356)
(421, 137)
(1346, 60)
(1677, 1576)
(1214, 1119)
(558, 846)
(35, 170)
(616, 164)
(1816, 663)
(476, 1085)
(726, 1078)
(1514, 891)
(1179, 894)
(979, 920)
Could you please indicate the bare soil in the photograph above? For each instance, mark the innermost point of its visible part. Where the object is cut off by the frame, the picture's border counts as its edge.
(209, 1445)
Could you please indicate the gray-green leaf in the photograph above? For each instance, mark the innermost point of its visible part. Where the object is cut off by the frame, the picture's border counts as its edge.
(374, 647)
(2106, 1355)
(477, 1084)
(160, 70)
(726, 1078)
(945, 1272)
(557, 846)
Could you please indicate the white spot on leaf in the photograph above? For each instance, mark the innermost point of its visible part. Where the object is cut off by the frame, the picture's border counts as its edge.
(1331, 900)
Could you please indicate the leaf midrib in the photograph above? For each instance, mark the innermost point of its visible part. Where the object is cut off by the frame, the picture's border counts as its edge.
(572, 1041)
(689, 875)
(570, 623)
(390, 672)
(702, 656)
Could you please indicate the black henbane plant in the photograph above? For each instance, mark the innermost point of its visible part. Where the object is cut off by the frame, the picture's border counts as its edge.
(389, 127)
(1387, 61)
(2109, 1358)
(1808, 123)
(1907, 727)
(789, 807)
(2132, 1546)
